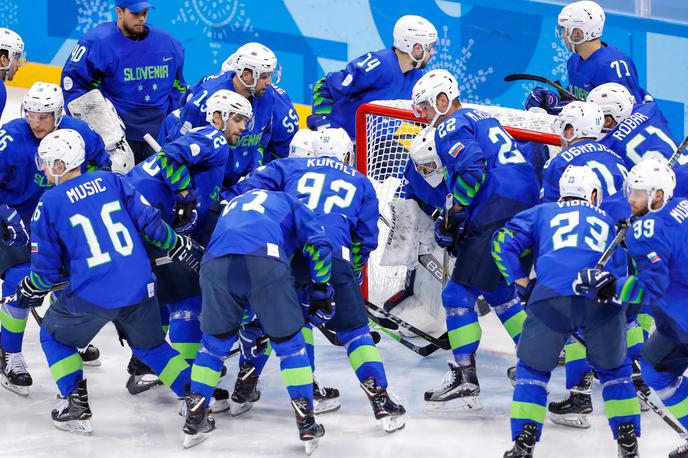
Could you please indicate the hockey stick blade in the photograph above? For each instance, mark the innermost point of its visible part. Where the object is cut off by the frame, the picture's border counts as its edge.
(442, 342)
(422, 351)
(563, 93)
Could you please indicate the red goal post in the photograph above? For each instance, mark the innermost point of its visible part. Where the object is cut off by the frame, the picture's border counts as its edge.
(384, 132)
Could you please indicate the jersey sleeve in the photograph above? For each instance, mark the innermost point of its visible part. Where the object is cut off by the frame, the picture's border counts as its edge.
(311, 237)
(285, 123)
(364, 237)
(513, 242)
(46, 249)
(83, 71)
(468, 168)
(650, 248)
(550, 181)
(179, 85)
(146, 218)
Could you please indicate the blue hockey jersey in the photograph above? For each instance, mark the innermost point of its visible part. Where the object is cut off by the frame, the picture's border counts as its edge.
(606, 65)
(644, 131)
(483, 169)
(3, 97)
(196, 160)
(659, 247)
(373, 76)
(343, 199)
(285, 123)
(142, 78)
(21, 183)
(90, 224)
(564, 238)
(608, 166)
(271, 224)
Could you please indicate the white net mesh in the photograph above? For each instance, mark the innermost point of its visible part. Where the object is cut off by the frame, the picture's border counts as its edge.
(388, 136)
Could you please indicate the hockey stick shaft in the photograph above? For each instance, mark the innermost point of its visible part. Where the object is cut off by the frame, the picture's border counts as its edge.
(422, 351)
(448, 204)
(679, 152)
(667, 419)
(565, 94)
(152, 143)
(442, 342)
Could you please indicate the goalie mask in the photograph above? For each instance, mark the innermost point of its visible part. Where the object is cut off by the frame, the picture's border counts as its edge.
(63, 150)
(585, 118)
(614, 100)
(259, 60)
(302, 143)
(580, 182)
(425, 159)
(228, 104)
(11, 42)
(429, 87)
(411, 30)
(43, 98)
(649, 176)
(586, 16)
(334, 142)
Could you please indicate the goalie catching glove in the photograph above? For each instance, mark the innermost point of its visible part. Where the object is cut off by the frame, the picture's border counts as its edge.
(319, 304)
(188, 252)
(28, 295)
(599, 283)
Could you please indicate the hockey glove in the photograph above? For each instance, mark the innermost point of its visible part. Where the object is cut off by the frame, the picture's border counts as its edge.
(446, 234)
(320, 307)
(317, 122)
(599, 283)
(543, 98)
(185, 213)
(524, 292)
(251, 342)
(28, 296)
(188, 252)
(15, 229)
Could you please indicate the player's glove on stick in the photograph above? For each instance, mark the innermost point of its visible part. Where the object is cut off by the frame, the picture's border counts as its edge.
(185, 212)
(543, 98)
(15, 229)
(524, 292)
(28, 295)
(317, 122)
(320, 307)
(599, 283)
(188, 252)
(447, 232)
(251, 343)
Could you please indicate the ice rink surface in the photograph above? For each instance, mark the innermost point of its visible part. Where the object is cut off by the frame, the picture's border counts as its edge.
(148, 424)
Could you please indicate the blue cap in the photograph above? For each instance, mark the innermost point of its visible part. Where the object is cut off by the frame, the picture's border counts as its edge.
(133, 5)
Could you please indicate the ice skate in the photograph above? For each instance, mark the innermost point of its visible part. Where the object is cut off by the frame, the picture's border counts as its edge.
(90, 356)
(573, 411)
(458, 391)
(680, 452)
(141, 377)
(310, 432)
(14, 375)
(524, 443)
(627, 441)
(325, 399)
(199, 423)
(72, 412)
(246, 390)
(385, 408)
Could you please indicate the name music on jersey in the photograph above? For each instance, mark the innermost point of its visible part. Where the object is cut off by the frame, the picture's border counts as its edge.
(83, 190)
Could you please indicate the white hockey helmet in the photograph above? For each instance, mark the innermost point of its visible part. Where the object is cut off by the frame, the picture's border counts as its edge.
(229, 104)
(411, 30)
(425, 159)
(228, 64)
(334, 142)
(430, 86)
(650, 175)
(585, 118)
(614, 100)
(302, 143)
(580, 182)
(44, 98)
(585, 15)
(258, 59)
(11, 42)
(65, 145)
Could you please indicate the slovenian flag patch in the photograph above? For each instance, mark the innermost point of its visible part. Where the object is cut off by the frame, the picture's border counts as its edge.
(653, 257)
(456, 149)
(34, 247)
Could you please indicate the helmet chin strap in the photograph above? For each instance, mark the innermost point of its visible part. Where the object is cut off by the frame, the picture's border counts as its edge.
(252, 88)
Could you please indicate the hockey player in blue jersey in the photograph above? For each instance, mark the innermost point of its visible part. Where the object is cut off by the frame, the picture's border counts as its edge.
(247, 262)
(93, 226)
(21, 185)
(657, 243)
(387, 74)
(473, 159)
(592, 63)
(135, 66)
(12, 56)
(285, 123)
(566, 236)
(632, 130)
(254, 68)
(183, 181)
(347, 208)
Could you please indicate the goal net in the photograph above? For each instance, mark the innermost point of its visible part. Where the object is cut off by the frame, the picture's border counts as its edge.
(384, 132)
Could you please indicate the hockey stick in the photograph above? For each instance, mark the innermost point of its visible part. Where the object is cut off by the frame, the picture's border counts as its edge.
(422, 351)
(442, 342)
(563, 93)
(448, 204)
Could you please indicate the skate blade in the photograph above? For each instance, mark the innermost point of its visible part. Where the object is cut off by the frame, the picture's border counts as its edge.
(326, 406)
(572, 420)
(16, 389)
(310, 446)
(136, 386)
(391, 424)
(237, 408)
(191, 440)
(93, 363)
(74, 426)
(458, 405)
(219, 406)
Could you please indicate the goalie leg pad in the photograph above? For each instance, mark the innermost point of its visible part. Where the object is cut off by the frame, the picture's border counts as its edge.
(363, 355)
